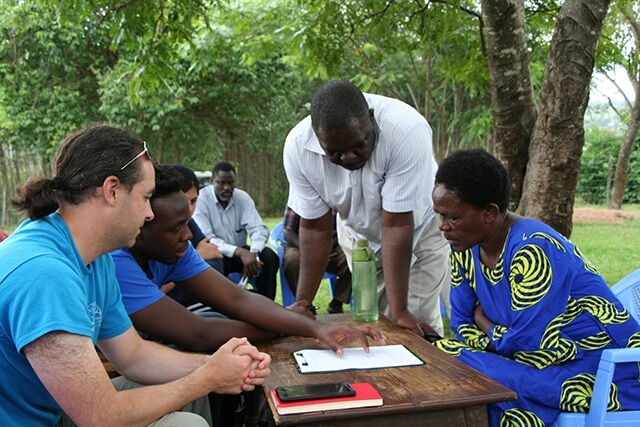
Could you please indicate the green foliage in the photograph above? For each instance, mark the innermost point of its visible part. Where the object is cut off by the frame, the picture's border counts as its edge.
(212, 78)
(213, 98)
(174, 72)
(165, 118)
(47, 68)
(598, 164)
(616, 45)
(413, 61)
(148, 32)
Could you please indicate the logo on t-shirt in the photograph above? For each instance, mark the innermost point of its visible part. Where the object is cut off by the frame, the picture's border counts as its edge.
(95, 316)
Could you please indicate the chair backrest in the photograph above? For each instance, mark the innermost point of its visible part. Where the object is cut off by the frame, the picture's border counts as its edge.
(236, 277)
(628, 292)
(276, 238)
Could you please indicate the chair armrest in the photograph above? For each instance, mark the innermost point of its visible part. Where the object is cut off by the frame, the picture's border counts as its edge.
(604, 377)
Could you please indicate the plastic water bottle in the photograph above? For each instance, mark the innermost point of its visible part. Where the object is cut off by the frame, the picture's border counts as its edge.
(364, 283)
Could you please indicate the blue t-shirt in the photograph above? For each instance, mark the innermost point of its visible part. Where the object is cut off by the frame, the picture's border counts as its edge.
(140, 289)
(44, 287)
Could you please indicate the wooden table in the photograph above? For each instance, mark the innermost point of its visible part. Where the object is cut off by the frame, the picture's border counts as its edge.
(443, 392)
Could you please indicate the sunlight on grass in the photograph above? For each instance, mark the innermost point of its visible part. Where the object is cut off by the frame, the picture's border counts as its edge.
(611, 248)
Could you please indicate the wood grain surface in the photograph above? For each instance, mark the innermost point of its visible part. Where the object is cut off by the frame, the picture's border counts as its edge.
(444, 391)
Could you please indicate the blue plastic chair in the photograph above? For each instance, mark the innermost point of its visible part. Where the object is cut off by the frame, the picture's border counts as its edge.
(628, 292)
(443, 310)
(236, 277)
(277, 241)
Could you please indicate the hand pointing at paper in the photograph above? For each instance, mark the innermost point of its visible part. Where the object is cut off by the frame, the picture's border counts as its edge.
(336, 337)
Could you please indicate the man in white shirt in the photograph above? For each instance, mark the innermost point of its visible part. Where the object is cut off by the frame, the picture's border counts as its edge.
(229, 215)
(370, 158)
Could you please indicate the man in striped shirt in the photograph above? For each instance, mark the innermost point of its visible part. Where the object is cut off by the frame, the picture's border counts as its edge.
(370, 158)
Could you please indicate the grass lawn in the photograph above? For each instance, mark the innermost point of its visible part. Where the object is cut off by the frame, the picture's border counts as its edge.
(611, 248)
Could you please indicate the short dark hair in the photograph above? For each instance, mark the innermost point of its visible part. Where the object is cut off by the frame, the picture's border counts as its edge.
(189, 177)
(83, 161)
(336, 104)
(168, 181)
(477, 178)
(224, 167)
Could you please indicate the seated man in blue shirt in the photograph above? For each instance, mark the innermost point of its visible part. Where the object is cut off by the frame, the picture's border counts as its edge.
(229, 214)
(207, 250)
(163, 253)
(60, 300)
(201, 242)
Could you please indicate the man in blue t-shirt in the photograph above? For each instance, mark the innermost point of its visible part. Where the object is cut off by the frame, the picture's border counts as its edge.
(60, 299)
(163, 253)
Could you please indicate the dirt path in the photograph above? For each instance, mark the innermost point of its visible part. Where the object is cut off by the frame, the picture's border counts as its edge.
(610, 216)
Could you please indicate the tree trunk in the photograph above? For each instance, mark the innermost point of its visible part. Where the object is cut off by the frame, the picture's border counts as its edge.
(622, 166)
(558, 137)
(513, 101)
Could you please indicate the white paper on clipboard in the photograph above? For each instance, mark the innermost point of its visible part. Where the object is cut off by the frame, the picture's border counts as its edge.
(388, 356)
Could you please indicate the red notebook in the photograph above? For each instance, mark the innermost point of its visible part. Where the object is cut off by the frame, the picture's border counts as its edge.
(365, 396)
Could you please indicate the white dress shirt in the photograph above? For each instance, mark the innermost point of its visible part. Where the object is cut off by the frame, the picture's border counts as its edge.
(228, 227)
(399, 176)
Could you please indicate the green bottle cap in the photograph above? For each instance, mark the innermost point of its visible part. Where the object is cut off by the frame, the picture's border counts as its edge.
(363, 243)
(361, 252)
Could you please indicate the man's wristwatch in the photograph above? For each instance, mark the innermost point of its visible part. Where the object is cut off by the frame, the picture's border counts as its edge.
(313, 309)
(257, 254)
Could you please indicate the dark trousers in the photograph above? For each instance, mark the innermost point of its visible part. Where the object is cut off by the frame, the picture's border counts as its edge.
(337, 265)
(266, 282)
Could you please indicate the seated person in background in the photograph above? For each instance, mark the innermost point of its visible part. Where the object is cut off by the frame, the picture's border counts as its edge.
(528, 309)
(3, 234)
(163, 253)
(337, 261)
(207, 250)
(228, 214)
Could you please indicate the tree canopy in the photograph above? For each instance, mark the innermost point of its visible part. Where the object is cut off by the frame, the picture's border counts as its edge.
(208, 80)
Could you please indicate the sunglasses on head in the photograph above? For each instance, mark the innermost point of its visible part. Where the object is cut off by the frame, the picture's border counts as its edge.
(144, 151)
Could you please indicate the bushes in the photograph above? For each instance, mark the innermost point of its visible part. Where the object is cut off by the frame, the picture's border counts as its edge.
(599, 158)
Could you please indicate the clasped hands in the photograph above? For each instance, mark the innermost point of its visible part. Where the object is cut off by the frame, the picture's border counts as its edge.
(238, 366)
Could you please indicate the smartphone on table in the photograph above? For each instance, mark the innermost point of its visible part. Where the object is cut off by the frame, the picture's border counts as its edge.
(314, 391)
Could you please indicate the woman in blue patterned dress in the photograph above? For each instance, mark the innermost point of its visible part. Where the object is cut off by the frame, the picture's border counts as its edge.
(528, 309)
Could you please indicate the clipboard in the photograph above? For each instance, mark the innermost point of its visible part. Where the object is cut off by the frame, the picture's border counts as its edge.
(311, 361)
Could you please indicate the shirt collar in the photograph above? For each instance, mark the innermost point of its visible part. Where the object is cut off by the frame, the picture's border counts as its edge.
(213, 191)
(313, 145)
